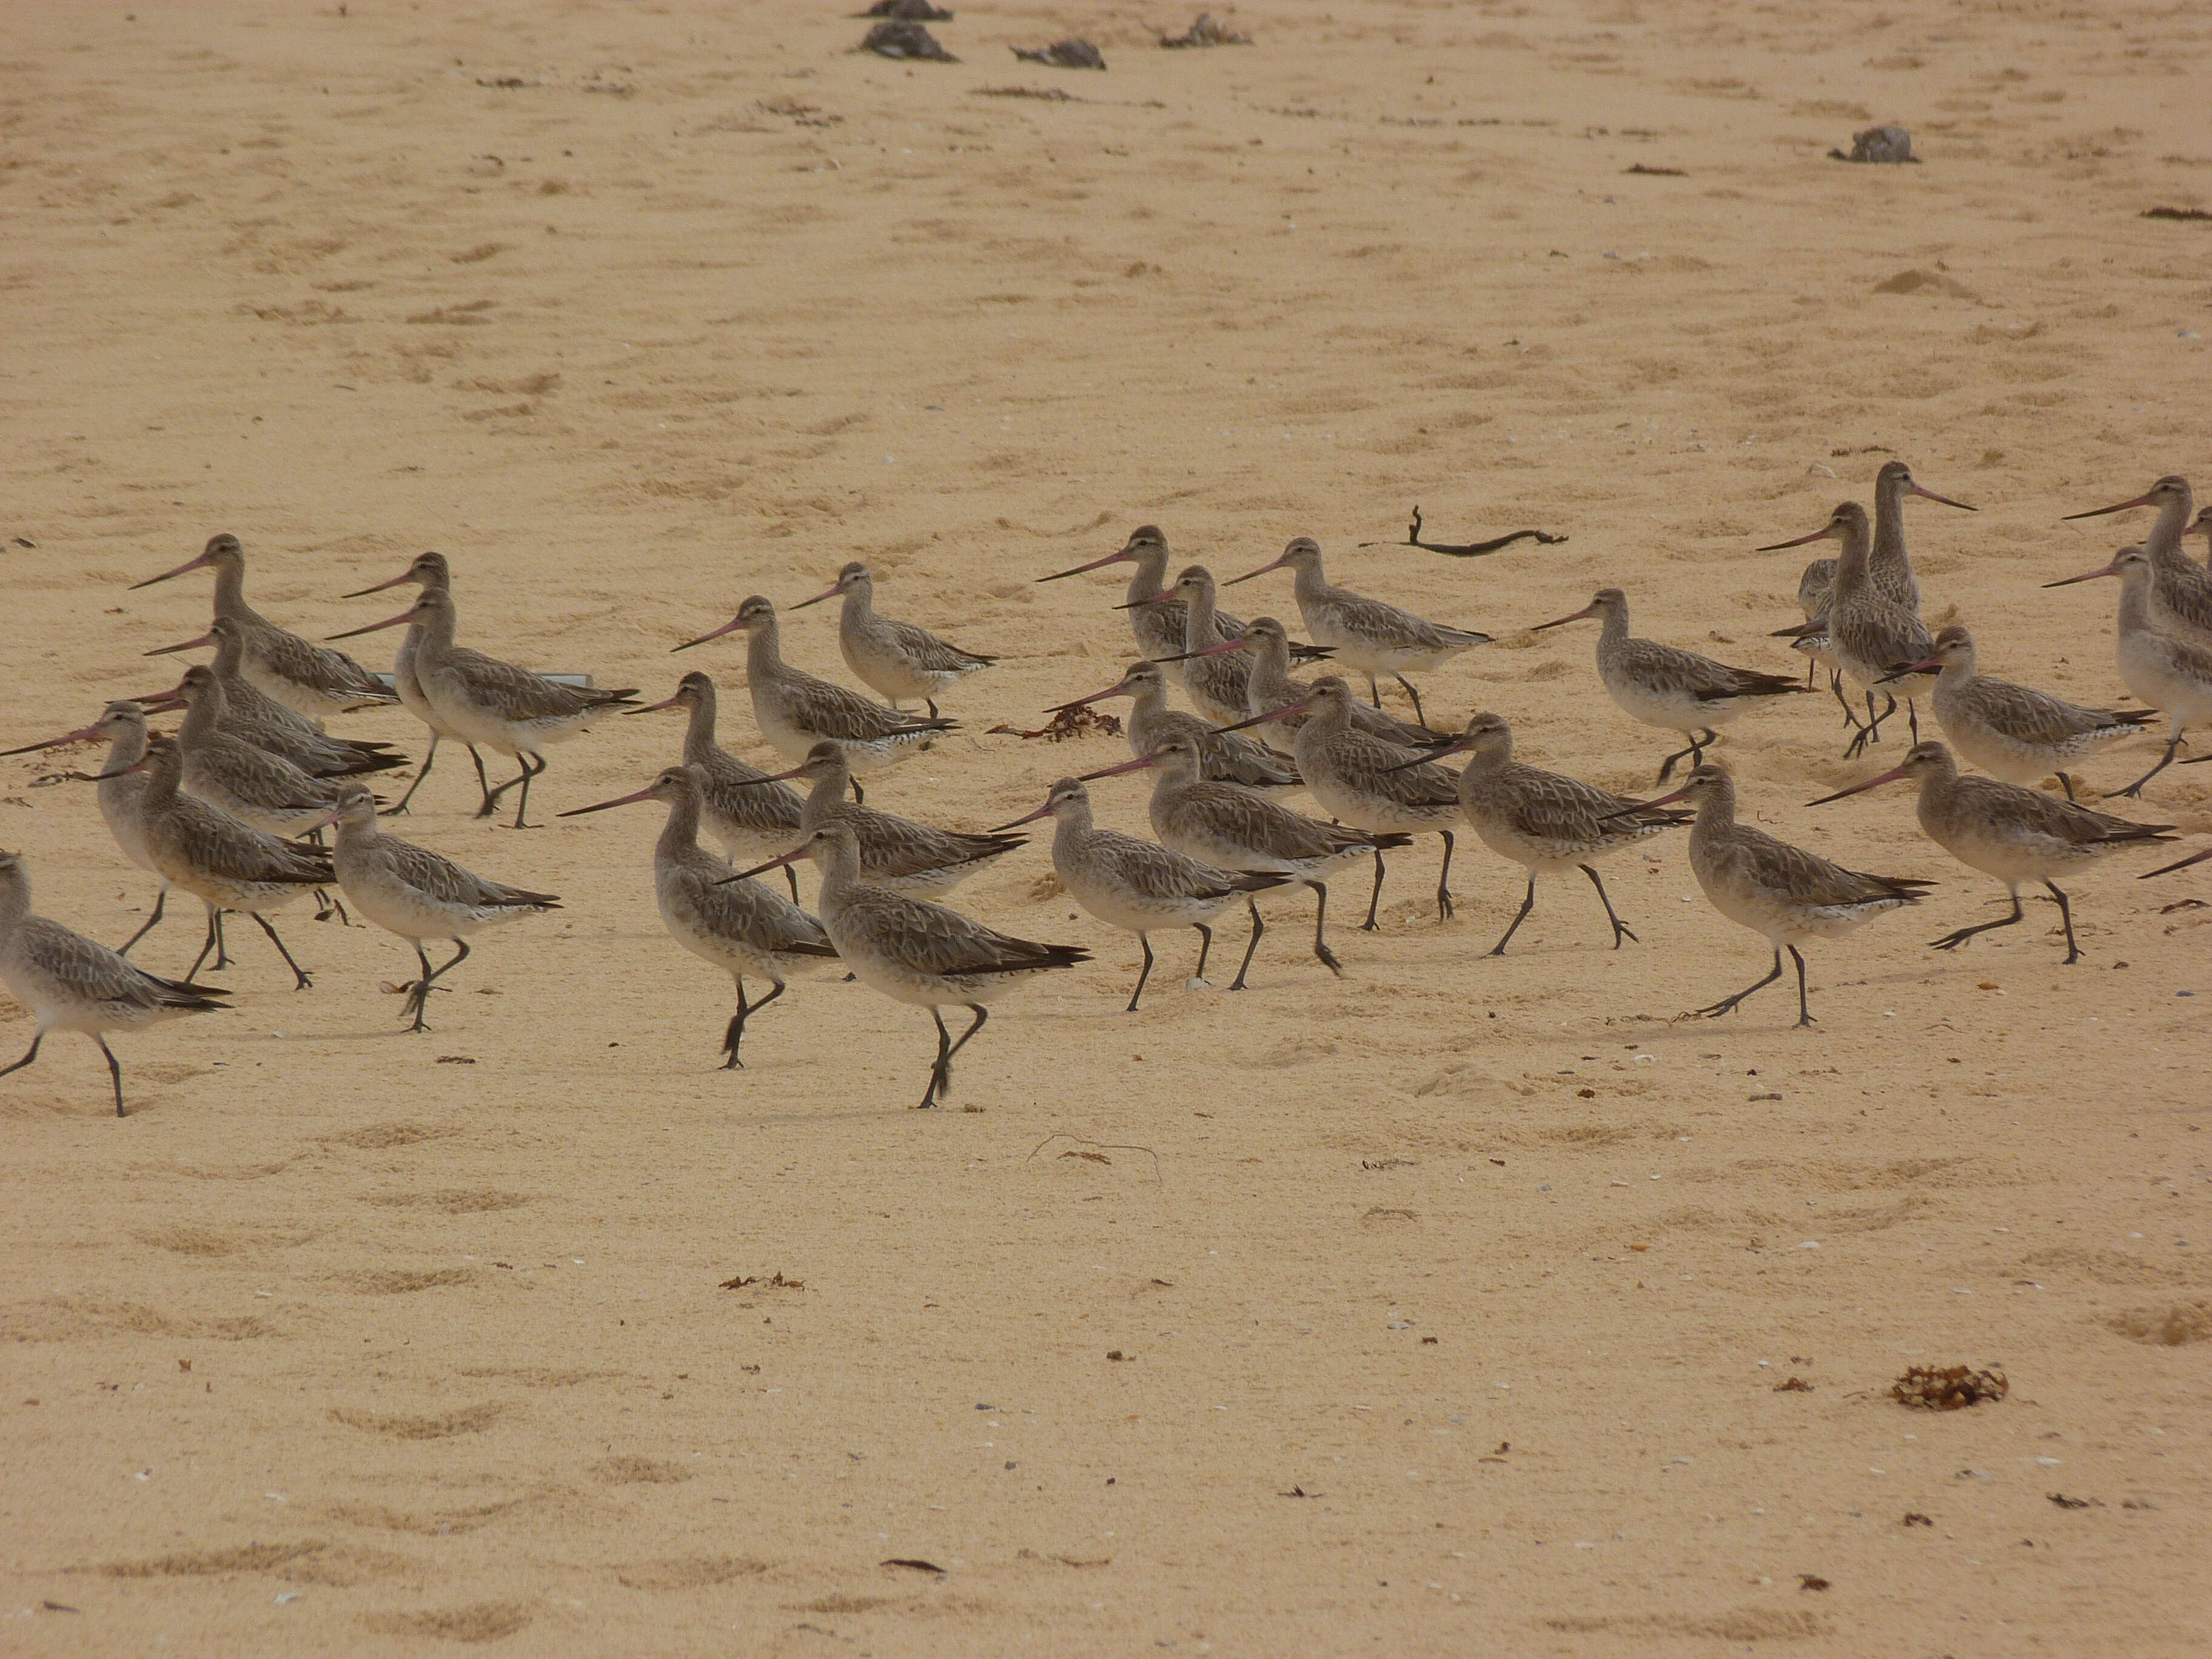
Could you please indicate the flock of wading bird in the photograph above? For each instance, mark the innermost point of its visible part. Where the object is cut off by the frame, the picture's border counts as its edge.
(219, 809)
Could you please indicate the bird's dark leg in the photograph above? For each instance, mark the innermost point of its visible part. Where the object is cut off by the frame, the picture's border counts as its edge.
(1521, 915)
(790, 875)
(1444, 905)
(940, 1076)
(1205, 949)
(1667, 766)
(2066, 916)
(981, 1014)
(1727, 1004)
(734, 1033)
(1374, 897)
(1143, 974)
(1420, 718)
(1835, 685)
(1952, 941)
(1804, 1012)
(160, 902)
(1912, 718)
(212, 942)
(32, 1053)
(420, 773)
(1620, 927)
(522, 803)
(930, 703)
(1374, 692)
(2174, 744)
(1251, 948)
(300, 979)
(1320, 922)
(490, 803)
(114, 1070)
(332, 907)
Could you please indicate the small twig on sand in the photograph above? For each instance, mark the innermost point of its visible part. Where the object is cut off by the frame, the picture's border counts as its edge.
(1469, 550)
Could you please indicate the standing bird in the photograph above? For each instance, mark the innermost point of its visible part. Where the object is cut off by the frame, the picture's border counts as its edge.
(1889, 567)
(2180, 595)
(312, 679)
(1234, 829)
(1366, 635)
(1361, 781)
(741, 927)
(2003, 830)
(417, 894)
(251, 784)
(494, 704)
(2012, 731)
(71, 983)
(1214, 681)
(897, 659)
(913, 951)
(1547, 823)
(265, 723)
(1138, 885)
(915, 859)
(1229, 758)
(1872, 636)
(1783, 892)
(2170, 672)
(122, 783)
(1667, 686)
(795, 711)
(753, 817)
(224, 864)
(428, 570)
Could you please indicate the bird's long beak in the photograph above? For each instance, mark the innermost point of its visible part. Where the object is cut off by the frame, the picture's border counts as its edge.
(404, 617)
(189, 564)
(2181, 864)
(188, 645)
(1136, 765)
(1930, 496)
(1119, 687)
(1427, 757)
(773, 777)
(776, 863)
(1149, 598)
(329, 817)
(89, 734)
(729, 627)
(1249, 574)
(1284, 713)
(2068, 518)
(645, 793)
(1640, 806)
(120, 771)
(1043, 812)
(1204, 651)
(1931, 663)
(1587, 610)
(1123, 554)
(653, 706)
(1802, 630)
(830, 592)
(1891, 776)
(362, 593)
(2090, 575)
(1822, 534)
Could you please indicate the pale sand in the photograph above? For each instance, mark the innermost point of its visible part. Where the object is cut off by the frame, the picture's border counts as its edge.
(707, 306)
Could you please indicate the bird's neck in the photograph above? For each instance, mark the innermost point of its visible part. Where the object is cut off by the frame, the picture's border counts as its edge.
(680, 834)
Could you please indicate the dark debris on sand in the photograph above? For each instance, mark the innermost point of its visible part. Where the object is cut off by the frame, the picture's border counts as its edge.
(1204, 32)
(902, 39)
(1952, 1389)
(1888, 143)
(912, 11)
(1065, 54)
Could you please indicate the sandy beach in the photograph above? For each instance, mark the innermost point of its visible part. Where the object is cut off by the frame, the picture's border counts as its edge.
(1462, 1305)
